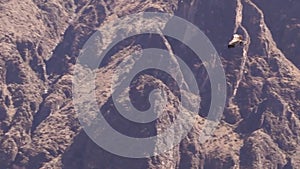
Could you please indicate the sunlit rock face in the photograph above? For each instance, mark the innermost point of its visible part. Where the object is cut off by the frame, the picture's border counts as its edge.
(40, 42)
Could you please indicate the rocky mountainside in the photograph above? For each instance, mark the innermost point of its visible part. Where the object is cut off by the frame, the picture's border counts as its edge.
(41, 40)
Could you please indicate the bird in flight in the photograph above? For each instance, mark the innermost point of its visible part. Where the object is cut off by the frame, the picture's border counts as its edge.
(237, 39)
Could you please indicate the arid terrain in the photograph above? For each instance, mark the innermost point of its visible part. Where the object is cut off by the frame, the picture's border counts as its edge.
(41, 40)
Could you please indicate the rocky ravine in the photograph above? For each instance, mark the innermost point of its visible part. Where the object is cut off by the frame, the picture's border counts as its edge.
(40, 41)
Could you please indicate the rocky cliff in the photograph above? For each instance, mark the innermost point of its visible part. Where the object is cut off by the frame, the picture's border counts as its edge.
(41, 40)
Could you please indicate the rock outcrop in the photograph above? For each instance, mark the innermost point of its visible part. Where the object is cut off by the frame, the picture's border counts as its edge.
(41, 40)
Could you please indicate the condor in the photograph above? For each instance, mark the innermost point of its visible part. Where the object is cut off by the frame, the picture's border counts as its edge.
(237, 39)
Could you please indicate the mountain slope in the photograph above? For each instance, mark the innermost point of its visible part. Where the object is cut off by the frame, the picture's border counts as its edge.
(40, 41)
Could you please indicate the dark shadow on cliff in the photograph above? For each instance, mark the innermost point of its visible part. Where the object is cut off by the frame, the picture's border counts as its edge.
(84, 153)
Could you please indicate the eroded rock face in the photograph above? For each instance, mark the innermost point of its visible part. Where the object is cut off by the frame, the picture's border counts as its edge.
(283, 21)
(39, 44)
